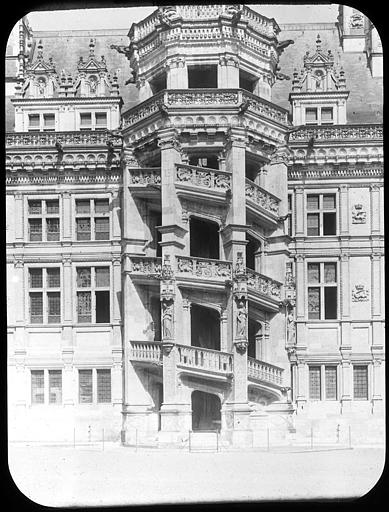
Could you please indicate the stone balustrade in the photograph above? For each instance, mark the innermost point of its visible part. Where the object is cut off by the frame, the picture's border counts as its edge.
(47, 139)
(203, 177)
(145, 176)
(265, 372)
(262, 198)
(145, 266)
(205, 359)
(347, 132)
(149, 351)
(178, 98)
(263, 284)
(203, 268)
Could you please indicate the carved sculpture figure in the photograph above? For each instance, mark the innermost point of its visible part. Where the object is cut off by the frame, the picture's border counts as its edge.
(241, 319)
(291, 328)
(167, 320)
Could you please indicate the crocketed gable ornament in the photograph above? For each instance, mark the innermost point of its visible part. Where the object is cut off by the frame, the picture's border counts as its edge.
(41, 79)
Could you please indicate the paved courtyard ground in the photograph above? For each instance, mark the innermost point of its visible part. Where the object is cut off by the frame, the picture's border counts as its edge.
(64, 476)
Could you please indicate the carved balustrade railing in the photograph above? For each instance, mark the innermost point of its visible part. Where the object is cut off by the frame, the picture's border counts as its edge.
(203, 268)
(264, 285)
(145, 266)
(263, 371)
(145, 176)
(47, 139)
(203, 177)
(348, 132)
(148, 351)
(205, 359)
(261, 197)
(178, 98)
(336, 172)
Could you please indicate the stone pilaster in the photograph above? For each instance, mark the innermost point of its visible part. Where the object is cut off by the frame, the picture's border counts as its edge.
(344, 210)
(228, 71)
(67, 320)
(300, 211)
(117, 294)
(19, 218)
(375, 211)
(67, 216)
(176, 73)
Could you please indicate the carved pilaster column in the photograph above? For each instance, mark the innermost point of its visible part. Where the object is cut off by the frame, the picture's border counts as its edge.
(300, 287)
(176, 73)
(375, 210)
(345, 291)
(240, 332)
(377, 398)
(376, 284)
(117, 294)
(19, 218)
(67, 216)
(344, 210)
(300, 211)
(302, 382)
(346, 381)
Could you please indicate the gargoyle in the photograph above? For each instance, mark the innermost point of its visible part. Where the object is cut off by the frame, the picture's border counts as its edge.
(120, 48)
(282, 45)
(243, 107)
(164, 20)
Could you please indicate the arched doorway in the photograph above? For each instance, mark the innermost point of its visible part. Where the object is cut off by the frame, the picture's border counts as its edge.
(206, 411)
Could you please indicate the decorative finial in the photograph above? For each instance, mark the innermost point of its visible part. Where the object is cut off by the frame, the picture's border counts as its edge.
(318, 43)
(92, 47)
(40, 50)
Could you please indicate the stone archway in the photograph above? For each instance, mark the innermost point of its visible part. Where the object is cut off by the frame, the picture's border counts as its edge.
(206, 411)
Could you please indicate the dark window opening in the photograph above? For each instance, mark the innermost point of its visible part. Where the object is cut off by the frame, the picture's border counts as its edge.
(210, 161)
(247, 81)
(252, 335)
(102, 307)
(205, 327)
(206, 411)
(156, 316)
(202, 77)
(158, 83)
(330, 303)
(251, 250)
(329, 223)
(204, 239)
(252, 171)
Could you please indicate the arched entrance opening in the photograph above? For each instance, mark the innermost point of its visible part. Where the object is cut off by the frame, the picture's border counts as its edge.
(204, 238)
(206, 411)
(205, 327)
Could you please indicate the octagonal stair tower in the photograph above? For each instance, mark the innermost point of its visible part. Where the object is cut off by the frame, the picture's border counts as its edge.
(204, 246)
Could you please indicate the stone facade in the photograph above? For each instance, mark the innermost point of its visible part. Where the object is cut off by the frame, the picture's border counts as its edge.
(203, 260)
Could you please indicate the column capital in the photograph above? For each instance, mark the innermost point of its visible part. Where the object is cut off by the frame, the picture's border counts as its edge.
(375, 256)
(116, 259)
(237, 137)
(374, 187)
(67, 260)
(282, 155)
(344, 188)
(300, 258)
(168, 139)
(344, 257)
(18, 262)
(299, 190)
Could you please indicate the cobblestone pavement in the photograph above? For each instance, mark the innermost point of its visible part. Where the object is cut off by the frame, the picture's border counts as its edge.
(64, 476)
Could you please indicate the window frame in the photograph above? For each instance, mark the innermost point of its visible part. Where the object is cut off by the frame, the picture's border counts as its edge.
(93, 126)
(368, 382)
(44, 217)
(322, 285)
(46, 387)
(323, 382)
(319, 118)
(92, 290)
(44, 291)
(92, 215)
(290, 217)
(321, 211)
(94, 385)
(41, 126)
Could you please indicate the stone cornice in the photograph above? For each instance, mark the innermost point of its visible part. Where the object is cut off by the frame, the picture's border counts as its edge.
(331, 172)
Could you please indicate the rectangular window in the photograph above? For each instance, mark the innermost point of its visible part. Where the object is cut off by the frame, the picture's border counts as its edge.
(93, 294)
(311, 116)
(315, 383)
(43, 222)
(331, 382)
(360, 382)
(45, 304)
(85, 386)
(101, 120)
(85, 121)
(55, 386)
(37, 387)
(33, 122)
(327, 115)
(321, 214)
(103, 386)
(92, 219)
(49, 122)
(322, 297)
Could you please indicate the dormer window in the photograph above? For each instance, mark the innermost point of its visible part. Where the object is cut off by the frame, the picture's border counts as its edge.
(319, 116)
(93, 121)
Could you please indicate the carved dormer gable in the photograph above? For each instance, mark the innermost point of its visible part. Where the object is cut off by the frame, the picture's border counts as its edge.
(319, 93)
(41, 80)
(319, 73)
(93, 78)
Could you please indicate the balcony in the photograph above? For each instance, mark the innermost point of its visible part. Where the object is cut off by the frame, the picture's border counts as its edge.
(148, 352)
(262, 288)
(202, 182)
(200, 272)
(145, 182)
(49, 139)
(349, 132)
(210, 363)
(144, 269)
(262, 203)
(265, 372)
(189, 108)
